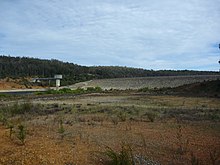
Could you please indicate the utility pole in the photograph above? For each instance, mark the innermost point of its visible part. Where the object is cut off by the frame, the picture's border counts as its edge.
(219, 60)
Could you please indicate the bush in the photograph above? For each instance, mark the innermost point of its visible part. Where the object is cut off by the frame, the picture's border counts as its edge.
(10, 130)
(21, 133)
(122, 157)
(61, 129)
(122, 116)
(70, 91)
(3, 119)
(65, 90)
(151, 116)
(146, 89)
(20, 108)
(94, 89)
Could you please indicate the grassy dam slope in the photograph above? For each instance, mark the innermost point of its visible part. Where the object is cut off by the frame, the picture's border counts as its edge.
(141, 82)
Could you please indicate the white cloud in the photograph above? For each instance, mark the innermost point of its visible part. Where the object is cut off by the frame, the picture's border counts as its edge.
(151, 34)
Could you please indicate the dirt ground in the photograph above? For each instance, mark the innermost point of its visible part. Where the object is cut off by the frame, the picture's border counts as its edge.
(9, 84)
(78, 129)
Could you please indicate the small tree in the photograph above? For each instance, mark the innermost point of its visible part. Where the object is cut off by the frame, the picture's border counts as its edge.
(10, 130)
(61, 129)
(21, 133)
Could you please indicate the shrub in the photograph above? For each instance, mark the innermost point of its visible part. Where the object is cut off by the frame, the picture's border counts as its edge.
(122, 116)
(94, 89)
(3, 119)
(20, 108)
(114, 120)
(4, 95)
(10, 130)
(122, 157)
(194, 160)
(145, 89)
(65, 90)
(215, 156)
(61, 129)
(21, 133)
(70, 91)
(151, 116)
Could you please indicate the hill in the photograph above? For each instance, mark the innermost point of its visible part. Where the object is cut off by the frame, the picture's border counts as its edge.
(205, 88)
(17, 67)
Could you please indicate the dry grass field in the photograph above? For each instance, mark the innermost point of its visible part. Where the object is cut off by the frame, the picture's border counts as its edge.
(96, 128)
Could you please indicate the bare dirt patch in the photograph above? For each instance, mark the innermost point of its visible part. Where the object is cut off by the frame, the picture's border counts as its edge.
(9, 84)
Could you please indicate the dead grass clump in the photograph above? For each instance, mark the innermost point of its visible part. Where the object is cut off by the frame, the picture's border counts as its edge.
(99, 119)
(182, 142)
(115, 120)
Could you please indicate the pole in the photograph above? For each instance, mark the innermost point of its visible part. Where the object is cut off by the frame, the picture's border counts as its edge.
(219, 60)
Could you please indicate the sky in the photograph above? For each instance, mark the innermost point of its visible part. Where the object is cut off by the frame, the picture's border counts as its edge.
(149, 34)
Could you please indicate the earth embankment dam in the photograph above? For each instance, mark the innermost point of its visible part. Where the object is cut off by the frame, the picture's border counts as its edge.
(142, 82)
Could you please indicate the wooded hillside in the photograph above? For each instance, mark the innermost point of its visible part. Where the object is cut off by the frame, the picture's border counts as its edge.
(15, 67)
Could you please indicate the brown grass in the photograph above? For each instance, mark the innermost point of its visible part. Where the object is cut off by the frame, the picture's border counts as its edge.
(87, 121)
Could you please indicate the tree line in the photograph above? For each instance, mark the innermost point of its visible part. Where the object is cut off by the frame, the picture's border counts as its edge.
(16, 67)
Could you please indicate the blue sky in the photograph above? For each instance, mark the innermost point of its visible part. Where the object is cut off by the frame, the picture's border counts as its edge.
(150, 34)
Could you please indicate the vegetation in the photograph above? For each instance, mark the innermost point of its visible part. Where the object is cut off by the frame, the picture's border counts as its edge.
(69, 129)
(206, 88)
(16, 67)
(10, 130)
(61, 129)
(123, 157)
(71, 91)
(21, 133)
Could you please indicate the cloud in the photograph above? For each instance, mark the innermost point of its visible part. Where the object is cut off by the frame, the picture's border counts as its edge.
(150, 34)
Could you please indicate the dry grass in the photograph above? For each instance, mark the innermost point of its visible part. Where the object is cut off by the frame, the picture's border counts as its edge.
(88, 125)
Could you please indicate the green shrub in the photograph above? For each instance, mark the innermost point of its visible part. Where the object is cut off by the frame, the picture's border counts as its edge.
(3, 119)
(122, 116)
(122, 157)
(3, 95)
(61, 129)
(151, 116)
(51, 91)
(145, 89)
(70, 91)
(194, 160)
(94, 89)
(21, 133)
(20, 108)
(65, 90)
(10, 130)
(78, 91)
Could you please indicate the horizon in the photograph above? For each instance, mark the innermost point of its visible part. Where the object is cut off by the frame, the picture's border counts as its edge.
(107, 65)
(148, 35)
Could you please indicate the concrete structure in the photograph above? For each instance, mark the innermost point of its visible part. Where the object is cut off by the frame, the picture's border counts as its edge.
(56, 77)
